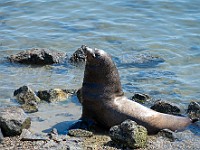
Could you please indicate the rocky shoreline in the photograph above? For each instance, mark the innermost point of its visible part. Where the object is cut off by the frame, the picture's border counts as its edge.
(100, 142)
(29, 100)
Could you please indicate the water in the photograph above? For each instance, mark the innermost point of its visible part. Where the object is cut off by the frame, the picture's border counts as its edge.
(164, 28)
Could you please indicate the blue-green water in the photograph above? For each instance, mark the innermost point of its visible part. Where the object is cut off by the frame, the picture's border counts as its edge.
(124, 28)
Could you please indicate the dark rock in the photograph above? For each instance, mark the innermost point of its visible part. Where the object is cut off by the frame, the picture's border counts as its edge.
(1, 136)
(26, 95)
(80, 133)
(129, 134)
(140, 98)
(166, 133)
(78, 56)
(194, 110)
(38, 56)
(53, 135)
(30, 107)
(26, 135)
(54, 95)
(165, 107)
(13, 120)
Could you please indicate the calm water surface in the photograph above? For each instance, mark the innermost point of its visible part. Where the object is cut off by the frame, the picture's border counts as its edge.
(124, 28)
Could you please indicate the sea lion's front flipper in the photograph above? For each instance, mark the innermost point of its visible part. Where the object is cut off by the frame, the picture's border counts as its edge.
(83, 123)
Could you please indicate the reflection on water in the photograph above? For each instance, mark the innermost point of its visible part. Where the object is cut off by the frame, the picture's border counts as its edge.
(165, 29)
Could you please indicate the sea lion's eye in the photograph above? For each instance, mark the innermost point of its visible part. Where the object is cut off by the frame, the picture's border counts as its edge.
(97, 55)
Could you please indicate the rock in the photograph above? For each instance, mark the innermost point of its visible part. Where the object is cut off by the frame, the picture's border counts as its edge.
(26, 135)
(56, 141)
(30, 107)
(140, 98)
(38, 56)
(53, 135)
(80, 133)
(194, 110)
(97, 142)
(129, 134)
(13, 120)
(1, 136)
(28, 98)
(54, 95)
(165, 107)
(166, 133)
(53, 145)
(26, 95)
(78, 56)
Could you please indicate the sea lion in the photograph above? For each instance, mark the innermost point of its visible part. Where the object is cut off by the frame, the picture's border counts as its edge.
(104, 102)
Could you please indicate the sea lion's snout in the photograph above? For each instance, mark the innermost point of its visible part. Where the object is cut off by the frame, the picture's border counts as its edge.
(89, 52)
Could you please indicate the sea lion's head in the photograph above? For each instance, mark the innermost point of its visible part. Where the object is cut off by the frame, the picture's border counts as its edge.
(97, 57)
(100, 69)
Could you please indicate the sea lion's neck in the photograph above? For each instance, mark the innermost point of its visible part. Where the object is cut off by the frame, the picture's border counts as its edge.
(102, 80)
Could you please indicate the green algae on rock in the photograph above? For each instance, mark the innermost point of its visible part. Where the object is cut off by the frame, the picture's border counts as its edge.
(80, 133)
(129, 134)
(55, 95)
(27, 97)
(25, 94)
(30, 107)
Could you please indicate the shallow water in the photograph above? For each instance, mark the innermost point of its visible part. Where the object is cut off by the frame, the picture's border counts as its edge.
(167, 29)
